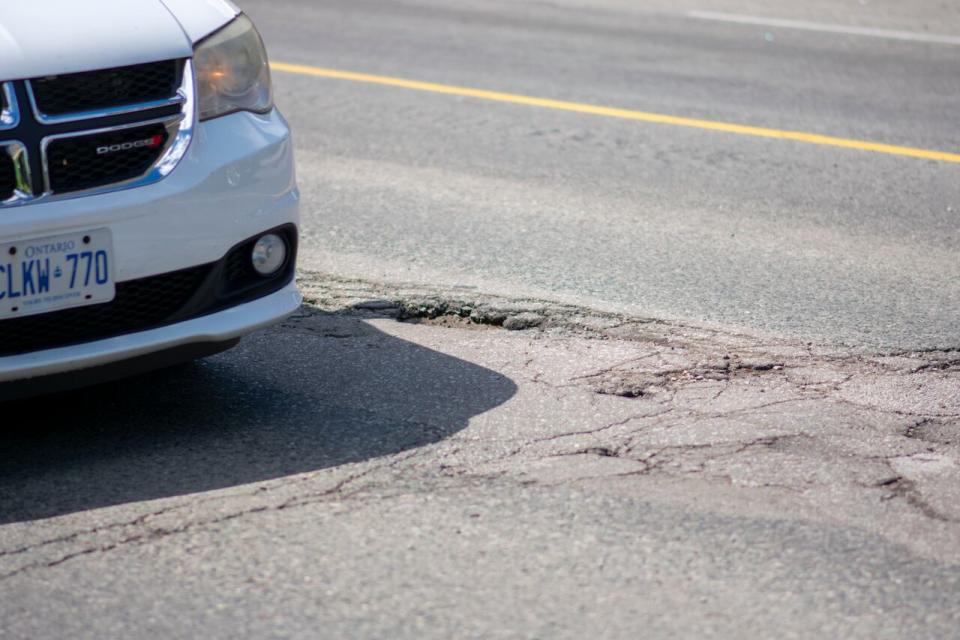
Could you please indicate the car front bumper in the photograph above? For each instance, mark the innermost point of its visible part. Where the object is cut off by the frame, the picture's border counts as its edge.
(220, 327)
(236, 180)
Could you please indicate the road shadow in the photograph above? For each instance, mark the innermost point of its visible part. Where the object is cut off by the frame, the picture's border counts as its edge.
(319, 391)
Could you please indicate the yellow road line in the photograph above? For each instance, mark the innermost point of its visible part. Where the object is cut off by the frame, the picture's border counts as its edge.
(626, 114)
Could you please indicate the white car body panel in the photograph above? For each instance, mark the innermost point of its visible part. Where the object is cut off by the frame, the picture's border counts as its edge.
(81, 35)
(50, 37)
(200, 18)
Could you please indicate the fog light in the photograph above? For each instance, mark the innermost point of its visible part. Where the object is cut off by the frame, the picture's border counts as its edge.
(269, 254)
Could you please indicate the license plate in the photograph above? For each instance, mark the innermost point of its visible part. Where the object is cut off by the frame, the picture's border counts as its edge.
(57, 272)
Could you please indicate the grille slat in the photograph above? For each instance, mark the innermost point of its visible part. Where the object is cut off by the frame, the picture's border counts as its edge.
(8, 175)
(106, 89)
(89, 161)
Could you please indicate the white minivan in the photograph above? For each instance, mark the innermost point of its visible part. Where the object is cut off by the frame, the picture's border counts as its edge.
(148, 201)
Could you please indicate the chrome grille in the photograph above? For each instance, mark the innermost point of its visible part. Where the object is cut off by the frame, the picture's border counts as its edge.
(9, 114)
(94, 131)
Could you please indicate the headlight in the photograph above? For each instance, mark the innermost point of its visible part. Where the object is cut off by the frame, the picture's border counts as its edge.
(232, 71)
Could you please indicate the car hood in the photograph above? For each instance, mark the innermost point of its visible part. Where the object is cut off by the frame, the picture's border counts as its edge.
(51, 37)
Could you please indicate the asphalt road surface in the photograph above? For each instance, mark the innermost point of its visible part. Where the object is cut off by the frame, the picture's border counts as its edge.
(823, 243)
(345, 475)
(614, 404)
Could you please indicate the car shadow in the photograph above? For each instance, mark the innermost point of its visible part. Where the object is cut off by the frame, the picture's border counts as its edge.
(321, 390)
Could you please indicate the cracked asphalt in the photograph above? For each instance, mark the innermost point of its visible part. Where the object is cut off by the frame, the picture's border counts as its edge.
(409, 463)
(556, 375)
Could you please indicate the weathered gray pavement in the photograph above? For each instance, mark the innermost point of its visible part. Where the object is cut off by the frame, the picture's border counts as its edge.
(514, 467)
(348, 475)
